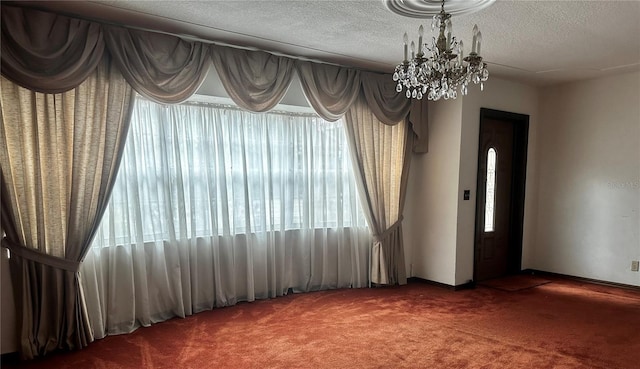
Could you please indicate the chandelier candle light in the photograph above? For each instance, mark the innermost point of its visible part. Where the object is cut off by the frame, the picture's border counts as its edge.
(444, 68)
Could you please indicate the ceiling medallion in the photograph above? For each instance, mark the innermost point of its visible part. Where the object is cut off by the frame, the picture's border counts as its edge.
(428, 8)
(438, 69)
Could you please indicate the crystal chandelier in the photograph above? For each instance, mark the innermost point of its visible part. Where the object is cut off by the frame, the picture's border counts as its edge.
(444, 68)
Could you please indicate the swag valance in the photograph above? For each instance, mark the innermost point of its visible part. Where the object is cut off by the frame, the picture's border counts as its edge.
(52, 53)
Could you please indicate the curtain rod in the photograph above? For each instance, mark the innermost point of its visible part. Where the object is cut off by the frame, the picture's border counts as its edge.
(186, 37)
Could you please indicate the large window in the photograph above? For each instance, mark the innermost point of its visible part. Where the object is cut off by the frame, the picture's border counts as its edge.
(195, 170)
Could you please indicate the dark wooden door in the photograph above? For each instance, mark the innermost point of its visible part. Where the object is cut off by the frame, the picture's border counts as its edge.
(500, 197)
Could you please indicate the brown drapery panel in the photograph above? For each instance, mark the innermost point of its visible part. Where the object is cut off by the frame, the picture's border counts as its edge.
(59, 158)
(380, 157)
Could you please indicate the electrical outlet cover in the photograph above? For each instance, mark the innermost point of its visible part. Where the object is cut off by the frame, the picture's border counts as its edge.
(635, 265)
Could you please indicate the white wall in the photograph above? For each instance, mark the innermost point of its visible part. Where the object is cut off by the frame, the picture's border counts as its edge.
(430, 212)
(8, 340)
(589, 188)
(582, 199)
(506, 96)
(439, 225)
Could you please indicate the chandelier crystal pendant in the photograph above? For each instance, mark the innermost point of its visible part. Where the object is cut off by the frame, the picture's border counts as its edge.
(444, 68)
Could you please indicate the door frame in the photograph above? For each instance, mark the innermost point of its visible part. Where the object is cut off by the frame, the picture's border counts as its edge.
(519, 171)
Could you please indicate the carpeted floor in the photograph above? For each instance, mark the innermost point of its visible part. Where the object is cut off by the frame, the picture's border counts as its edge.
(561, 324)
(515, 282)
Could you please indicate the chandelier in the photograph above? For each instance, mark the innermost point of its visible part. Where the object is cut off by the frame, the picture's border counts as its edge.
(437, 70)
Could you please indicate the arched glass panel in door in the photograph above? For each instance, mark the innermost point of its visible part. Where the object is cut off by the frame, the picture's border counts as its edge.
(490, 191)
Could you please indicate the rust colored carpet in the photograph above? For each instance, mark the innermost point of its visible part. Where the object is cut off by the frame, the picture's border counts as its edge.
(562, 324)
(515, 282)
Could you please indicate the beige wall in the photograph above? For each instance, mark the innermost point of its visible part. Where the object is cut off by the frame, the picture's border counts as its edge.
(582, 200)
(430, 212)
(589, 185)
(506, 96)
(439, 225)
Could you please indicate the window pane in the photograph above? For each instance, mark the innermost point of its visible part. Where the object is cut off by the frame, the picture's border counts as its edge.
(490, 195)
(202, 170)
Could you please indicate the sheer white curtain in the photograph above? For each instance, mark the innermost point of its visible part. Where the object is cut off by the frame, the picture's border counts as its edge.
(214, 205)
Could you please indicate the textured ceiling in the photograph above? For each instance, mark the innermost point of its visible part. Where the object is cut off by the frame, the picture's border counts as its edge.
(536, 42)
